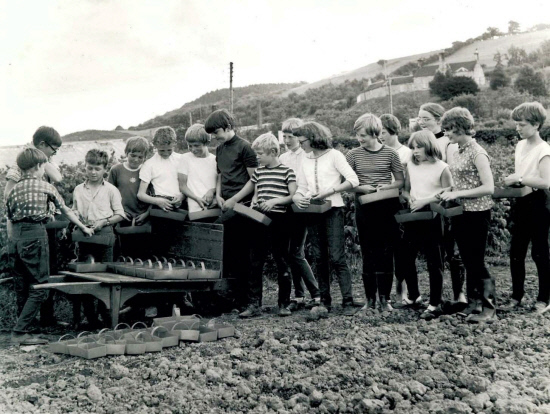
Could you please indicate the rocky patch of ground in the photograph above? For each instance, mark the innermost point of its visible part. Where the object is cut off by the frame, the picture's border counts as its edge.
(376, 363)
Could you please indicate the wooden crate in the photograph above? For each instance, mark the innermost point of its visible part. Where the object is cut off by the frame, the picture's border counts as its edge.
(316, 208)
(512, 192)
(404, 216)
(252, 214)
(447, 209)
(213, 213)
(379, 195)
(177, 214)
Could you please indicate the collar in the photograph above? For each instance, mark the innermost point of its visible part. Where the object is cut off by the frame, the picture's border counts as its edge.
(232, 140)
(297, 152)
(466, 146)
(27, 176)
(87, 186)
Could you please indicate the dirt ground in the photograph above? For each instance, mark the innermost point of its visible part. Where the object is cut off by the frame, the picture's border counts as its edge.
(368, 363)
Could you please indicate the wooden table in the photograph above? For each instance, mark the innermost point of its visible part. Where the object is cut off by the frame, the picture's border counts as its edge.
(114, 290)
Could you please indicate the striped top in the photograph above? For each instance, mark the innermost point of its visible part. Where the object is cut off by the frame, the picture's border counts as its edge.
(273, 183)
(374, 167)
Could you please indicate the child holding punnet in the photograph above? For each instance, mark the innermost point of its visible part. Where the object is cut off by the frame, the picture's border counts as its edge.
(125, 177)
(375, 164)
(99, 205)
(323, 175)
(29, 207)
(161, 170)
(429, 119)
(530, 215)
(273, 184)
(389, 136)
(427, 176)
(473, 186)
(198, 170)
(235, 162)
(302, 276)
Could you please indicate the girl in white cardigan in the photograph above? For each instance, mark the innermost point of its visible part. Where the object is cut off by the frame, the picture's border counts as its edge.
(324, 173)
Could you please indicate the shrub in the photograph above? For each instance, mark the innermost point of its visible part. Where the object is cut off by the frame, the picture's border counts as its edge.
(499, 78)
(530, 81)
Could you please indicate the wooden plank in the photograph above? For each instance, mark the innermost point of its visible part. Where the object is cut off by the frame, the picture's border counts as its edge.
(112, 279)
(199, 240)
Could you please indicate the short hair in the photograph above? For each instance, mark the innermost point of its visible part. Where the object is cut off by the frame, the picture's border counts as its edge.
(532, 112)
(221, 118)
(290, 124)
(371, 123)
(29, 158)
(164, 136)
(435, 109)
(459, 119)
(266, 142)
(97, 157)
(427, 140)
(197, 133)
(137, 144)
(319, 135)
(390, 123)
(48, 135)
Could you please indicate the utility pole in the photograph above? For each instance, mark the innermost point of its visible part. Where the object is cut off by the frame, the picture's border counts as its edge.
(231, 85)
(260, 118)
(388, 79)
(190, 119)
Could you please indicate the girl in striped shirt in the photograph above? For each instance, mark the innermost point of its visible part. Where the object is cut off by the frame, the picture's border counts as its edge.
(374, 163)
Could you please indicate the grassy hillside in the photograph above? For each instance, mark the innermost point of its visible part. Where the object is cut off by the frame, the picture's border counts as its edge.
(96, 135)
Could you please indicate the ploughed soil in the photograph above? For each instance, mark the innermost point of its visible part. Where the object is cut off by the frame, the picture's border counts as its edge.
(367, 363)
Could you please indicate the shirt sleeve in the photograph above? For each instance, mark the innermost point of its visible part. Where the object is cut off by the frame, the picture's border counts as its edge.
(113, 176)
(183, 165)
(255, 177)
(351, 160)
(249, 157)
(345, 169)
(116, 202)
(14, 173)
(145, 172)
(396, 165)
(56, 198)
(301, 181)
(290, 176)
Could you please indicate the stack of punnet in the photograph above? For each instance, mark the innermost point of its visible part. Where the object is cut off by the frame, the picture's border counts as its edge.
(140, 339)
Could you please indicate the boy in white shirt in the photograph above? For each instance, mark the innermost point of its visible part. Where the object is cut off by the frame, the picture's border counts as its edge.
(198, 173)
(161, 170)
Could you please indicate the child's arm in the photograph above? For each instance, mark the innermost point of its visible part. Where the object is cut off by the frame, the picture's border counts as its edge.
(115, 200)
(182, 179)
(247, 189)
(74, 219)
(209, 197)
(9, 185)
(542, 182)
(487, 186)
(398, 183)
(219, 197)
(406, 194)
(268, 205)
(345, 171)
(53, 172)
(446, 182)
(157, 201)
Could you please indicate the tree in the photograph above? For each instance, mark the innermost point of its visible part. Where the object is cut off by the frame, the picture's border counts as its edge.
(492, 32)
(499, 78)
(516, 56)
(513, 27)
(119, 128)
(530, 81)
(447, 86)
(498, 58)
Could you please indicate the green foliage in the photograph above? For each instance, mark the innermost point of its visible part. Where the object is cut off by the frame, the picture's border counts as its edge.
(530, 81)
(513, 27)
(516, 56)
(499, 78)
(447, 86)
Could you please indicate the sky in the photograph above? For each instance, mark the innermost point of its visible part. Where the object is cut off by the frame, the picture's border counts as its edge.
(97, 64)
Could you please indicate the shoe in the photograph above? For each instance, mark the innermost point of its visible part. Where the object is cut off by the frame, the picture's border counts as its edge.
(284, 311)
(432, 312)
(487, 314)
(349, 309)
(512, 306)
(313, 302)
(540, 307)
(151, 312)
(371, 304)
(251, 312)
(125, 310)
(27, 339)
(296, 304)
(474, 307)
(385, 305)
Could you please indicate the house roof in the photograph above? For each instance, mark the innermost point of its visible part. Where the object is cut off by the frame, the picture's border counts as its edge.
(395, 81)
(455, 67)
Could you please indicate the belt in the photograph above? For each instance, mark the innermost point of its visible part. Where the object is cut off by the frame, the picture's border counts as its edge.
(30, 221)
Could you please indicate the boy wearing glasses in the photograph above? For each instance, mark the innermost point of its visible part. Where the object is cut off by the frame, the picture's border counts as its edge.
(47, 140)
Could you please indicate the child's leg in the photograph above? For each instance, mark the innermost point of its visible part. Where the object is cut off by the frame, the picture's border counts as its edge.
(280, 238)
(259, 252)
(432, 249)
(367, 251)
(336, 244)
(302, 274)
(539, 225)
(320, 254)
(31, 266)
(519, 244)
(452, 257)
(408, 255)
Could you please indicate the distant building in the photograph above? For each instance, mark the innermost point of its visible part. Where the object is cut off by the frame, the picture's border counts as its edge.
(420, 81)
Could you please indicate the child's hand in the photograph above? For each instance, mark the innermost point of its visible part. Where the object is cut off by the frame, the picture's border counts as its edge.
(202, 204)
(322, 195)
(164, 204)
(512, 179)
(209, 197)
(448, 195)
(88, 232)
(99, 224)
(365, 189)
(176, 202)
(417, 205)
(383, 187)
(140, 219)
(267, 206)
(229, 204)
(300, 201)
(220, 202)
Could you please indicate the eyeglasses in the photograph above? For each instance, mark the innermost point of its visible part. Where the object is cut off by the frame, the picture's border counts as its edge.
(302, 142)
(52, 148)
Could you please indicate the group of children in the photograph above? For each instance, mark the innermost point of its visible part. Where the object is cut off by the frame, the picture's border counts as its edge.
(441, 163)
